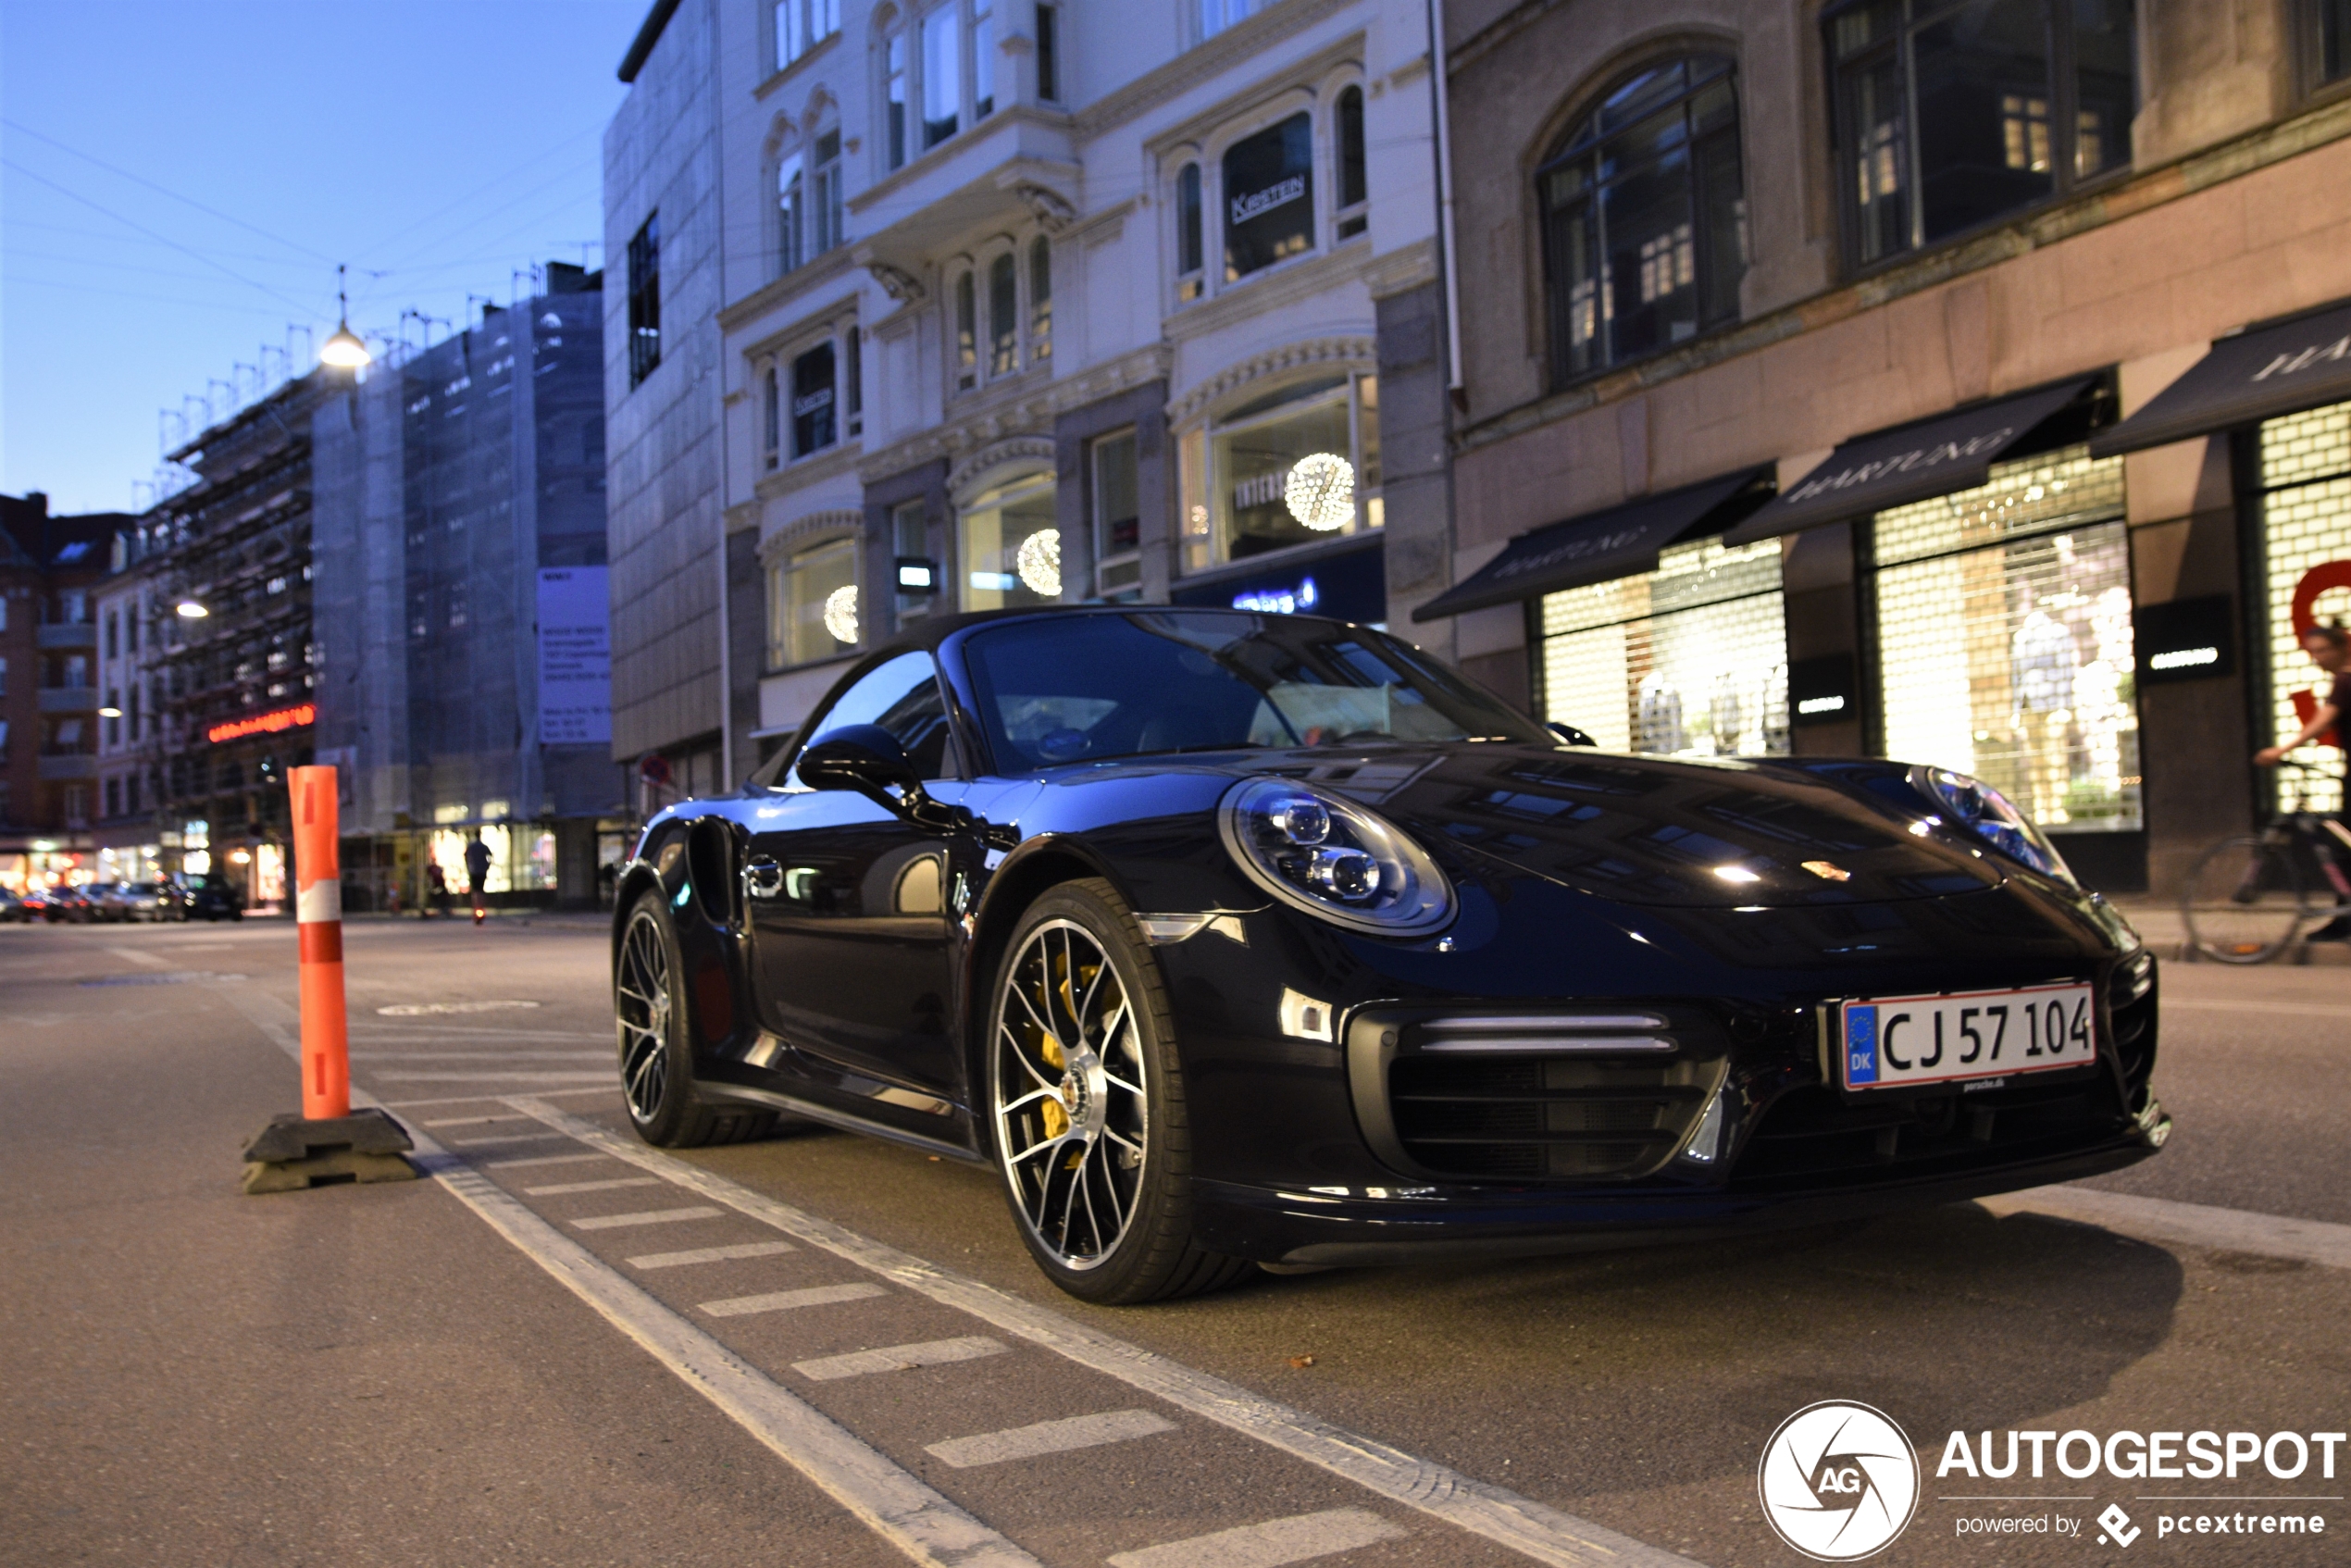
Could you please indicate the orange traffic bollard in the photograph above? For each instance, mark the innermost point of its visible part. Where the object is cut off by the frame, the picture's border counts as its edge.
(326, 1033)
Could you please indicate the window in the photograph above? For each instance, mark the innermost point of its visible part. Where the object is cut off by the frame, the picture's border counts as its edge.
(825, 205)
(1216, 16)
(1291, 469)
(3, 675)
(1049, 53)
(1189, 250)
(1117, 516)
(1645, 218)
(2004, 638)
(1011, 546)
(909, 537)
(1689, 660)
(1354, 189)
(1004, 316)
(894, 96)
(812, 604)
(1949, 115)
(967, 334)
(791, 214)
(903, 696)
(801, 25)
(1040, 300)
(942, 76)
(1269, 196)
(983, 60)
(2306, 528)
(771, 416)
(854, 375)
(114, 797)
(114, 633)
(2327, 41)
(644, 301)
(114, 725)
(812, 425)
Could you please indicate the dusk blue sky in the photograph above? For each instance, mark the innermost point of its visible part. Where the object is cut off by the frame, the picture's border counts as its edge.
(435, 145)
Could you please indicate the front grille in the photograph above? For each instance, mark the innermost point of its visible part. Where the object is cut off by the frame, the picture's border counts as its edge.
(1565, 1095)
(1812, 1136)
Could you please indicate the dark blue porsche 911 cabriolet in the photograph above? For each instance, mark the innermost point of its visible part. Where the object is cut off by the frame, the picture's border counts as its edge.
(1230, 939)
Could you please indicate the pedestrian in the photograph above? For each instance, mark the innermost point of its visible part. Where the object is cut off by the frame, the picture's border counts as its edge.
(477, 875)
(436, 891)
(2328, 646)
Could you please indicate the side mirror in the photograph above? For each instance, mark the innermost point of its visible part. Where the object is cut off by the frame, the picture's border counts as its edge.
(864, 757)
(1572, 735)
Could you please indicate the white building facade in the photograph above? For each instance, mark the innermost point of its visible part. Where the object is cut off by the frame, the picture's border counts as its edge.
(1030, 303)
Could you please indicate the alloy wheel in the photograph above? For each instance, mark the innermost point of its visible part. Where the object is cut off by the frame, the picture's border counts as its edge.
(641, 1010)
(1072, 1116)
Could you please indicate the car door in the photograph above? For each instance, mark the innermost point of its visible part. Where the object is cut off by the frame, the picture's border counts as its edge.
(850, 926)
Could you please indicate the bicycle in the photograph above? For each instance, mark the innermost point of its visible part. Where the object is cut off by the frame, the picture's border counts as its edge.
(2249, 897)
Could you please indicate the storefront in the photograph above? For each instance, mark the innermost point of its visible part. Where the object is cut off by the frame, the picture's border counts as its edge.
(1009, 544)
(2304, 501)
(1348, 585)
(1298, 466)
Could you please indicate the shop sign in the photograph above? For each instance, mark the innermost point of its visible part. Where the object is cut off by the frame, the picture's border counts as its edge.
(1351, 586)
(271, 723)
(1822, 691)
(2187, 639)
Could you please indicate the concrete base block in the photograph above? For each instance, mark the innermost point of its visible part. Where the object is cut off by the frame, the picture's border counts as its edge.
(291, 1154)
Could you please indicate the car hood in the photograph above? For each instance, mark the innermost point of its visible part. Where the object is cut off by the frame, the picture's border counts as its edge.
(1670, 832)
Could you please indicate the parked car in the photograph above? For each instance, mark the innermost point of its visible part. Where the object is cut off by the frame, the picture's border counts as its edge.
(11, 907)
(1227, 939)
(205, 896)
(71, 905)
(132, 901)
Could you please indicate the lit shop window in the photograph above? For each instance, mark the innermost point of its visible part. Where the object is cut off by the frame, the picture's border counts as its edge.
(812, 604)
(1118, 567)
(2004, 639)
(1300, 466)
(2306, 530)
(1689, 660)
(1010, 548)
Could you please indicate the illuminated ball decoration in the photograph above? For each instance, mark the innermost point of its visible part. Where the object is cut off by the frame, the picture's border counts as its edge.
(1039, 562)
(840, 614)
(1320, 492)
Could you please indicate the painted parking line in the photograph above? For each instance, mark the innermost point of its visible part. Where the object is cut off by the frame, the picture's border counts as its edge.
(899, 1358)
(1051, 1436)
(647, 1216)
(2290, 1009)
(886, 1497)
(502, 1140)
(2193, 1224)
(789, 1300)
(1299, 1538)
(133, 955)
(517, 1077)
(1507, 1518)
(711, 1254)
(604, 1185)
(607, 1088)
(440, 1122)
(543, 1159)
(479, 1056)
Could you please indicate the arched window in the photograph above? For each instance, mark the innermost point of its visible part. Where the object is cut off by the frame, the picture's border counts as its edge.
(1189, 250)
(1040, 300)
(966, 333)
(791, 213)
(1003, 316)
(1354, 188)
(894, 80)
(771, 433)
(1645, 218)
(826, 227)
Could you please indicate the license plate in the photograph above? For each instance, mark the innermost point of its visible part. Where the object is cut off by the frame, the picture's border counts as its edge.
(1896, 1042)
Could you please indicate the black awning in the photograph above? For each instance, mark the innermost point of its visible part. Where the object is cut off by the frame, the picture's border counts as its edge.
(2301, 364)
(1600, 546)
(1893, 467)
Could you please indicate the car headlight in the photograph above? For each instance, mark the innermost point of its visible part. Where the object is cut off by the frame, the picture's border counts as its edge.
(1338, 861)
(1987, 813)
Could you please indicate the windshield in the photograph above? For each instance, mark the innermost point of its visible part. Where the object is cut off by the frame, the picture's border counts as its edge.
(1083, 688)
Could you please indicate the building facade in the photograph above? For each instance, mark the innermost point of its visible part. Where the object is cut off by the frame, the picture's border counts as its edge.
(1857, 377)
(52, 569)
(461, 605)
(128, 828)
(1025, 303)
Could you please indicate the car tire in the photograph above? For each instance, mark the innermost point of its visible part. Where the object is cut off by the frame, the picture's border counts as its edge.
(1129, 1136)
(653, 1030)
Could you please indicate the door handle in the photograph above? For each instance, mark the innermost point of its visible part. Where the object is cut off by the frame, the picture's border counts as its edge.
(763, 878)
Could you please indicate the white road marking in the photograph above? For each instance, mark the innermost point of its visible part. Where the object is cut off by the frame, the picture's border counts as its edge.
(492, 1095)
(787, 1300)
(891, 1502)
(645, 1216)
(367, 1034)
(1521, 1524)
(481, 1055)
(1299, 1539)
(606, 1076)
(2293, 1009)
(543, 1160)
(504, 1139)
(133, 955)
(440, 1122)
(712, 1254)
(1051, 1436)
(2194, 1224)
(606, 1186)
(424, 1009)
(899, 1358)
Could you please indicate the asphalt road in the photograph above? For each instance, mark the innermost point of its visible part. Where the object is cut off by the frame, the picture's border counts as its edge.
(461, 1370)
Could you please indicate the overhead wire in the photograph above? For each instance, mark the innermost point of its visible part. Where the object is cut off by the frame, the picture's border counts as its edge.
(163, 190)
